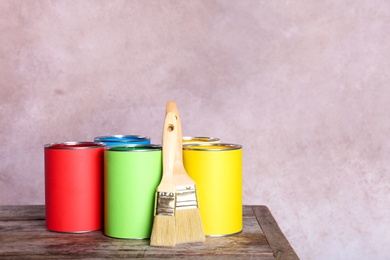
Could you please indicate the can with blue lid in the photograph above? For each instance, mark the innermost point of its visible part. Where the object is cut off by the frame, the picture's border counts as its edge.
(118, 140)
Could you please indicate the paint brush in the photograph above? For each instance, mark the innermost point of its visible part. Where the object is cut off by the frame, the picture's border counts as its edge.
(188, 219)
(163, 231)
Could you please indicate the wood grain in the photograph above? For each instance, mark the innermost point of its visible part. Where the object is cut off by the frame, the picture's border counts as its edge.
(23, 235)
(280, 246)
(22, 212)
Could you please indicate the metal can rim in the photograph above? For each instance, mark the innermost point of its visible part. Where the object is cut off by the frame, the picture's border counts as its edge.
(221, 147)
(142, 148)
(74, 145)
(121, 138)
(200, 138)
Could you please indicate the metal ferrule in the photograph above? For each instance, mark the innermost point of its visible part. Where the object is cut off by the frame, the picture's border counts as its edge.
(165, 203)
(186, 197)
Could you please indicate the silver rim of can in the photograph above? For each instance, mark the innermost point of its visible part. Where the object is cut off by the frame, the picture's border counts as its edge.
(211, 147)
(134, 148)
(225, 235)
(121, 138)
(200, 138)
(73, 145)
(72, 232)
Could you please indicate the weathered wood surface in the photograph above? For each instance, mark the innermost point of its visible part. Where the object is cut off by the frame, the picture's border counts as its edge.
(23, 236)
(277, 241)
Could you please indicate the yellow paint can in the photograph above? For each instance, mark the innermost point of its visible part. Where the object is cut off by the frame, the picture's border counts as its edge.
(217, 172)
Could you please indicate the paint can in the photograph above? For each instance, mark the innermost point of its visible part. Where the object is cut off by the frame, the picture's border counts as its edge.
(117, 140)
(217, 172)
(131, 176)
(73, 186)
(199, 140)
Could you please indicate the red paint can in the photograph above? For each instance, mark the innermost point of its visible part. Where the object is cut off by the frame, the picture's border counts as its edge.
(73, 186)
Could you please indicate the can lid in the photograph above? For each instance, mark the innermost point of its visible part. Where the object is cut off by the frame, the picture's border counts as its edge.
(121, 138)
(211, 147)
(200, 139)
(134, 148)
(74, 145)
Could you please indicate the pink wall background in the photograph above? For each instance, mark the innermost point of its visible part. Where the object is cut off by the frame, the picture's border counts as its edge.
(303, 85)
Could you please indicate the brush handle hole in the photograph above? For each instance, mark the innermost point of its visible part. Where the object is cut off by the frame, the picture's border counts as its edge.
(170, 128)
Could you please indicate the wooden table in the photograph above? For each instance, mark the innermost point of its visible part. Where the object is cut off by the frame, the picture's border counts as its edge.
(23, 235)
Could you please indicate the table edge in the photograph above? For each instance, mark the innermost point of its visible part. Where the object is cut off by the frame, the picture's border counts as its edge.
(279, 244)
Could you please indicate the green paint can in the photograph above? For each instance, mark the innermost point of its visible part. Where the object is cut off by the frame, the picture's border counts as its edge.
(131, 176)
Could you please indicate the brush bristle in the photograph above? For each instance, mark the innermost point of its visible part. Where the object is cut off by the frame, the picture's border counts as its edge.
(163, 232)
(189, 227)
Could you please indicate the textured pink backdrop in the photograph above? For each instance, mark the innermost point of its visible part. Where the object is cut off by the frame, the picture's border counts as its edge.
(303, 85)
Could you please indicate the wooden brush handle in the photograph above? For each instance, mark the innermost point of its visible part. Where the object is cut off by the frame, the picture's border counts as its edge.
(169, 148)
(172, 108)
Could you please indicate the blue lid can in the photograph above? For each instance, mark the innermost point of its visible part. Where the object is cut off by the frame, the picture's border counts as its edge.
(118, 140)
